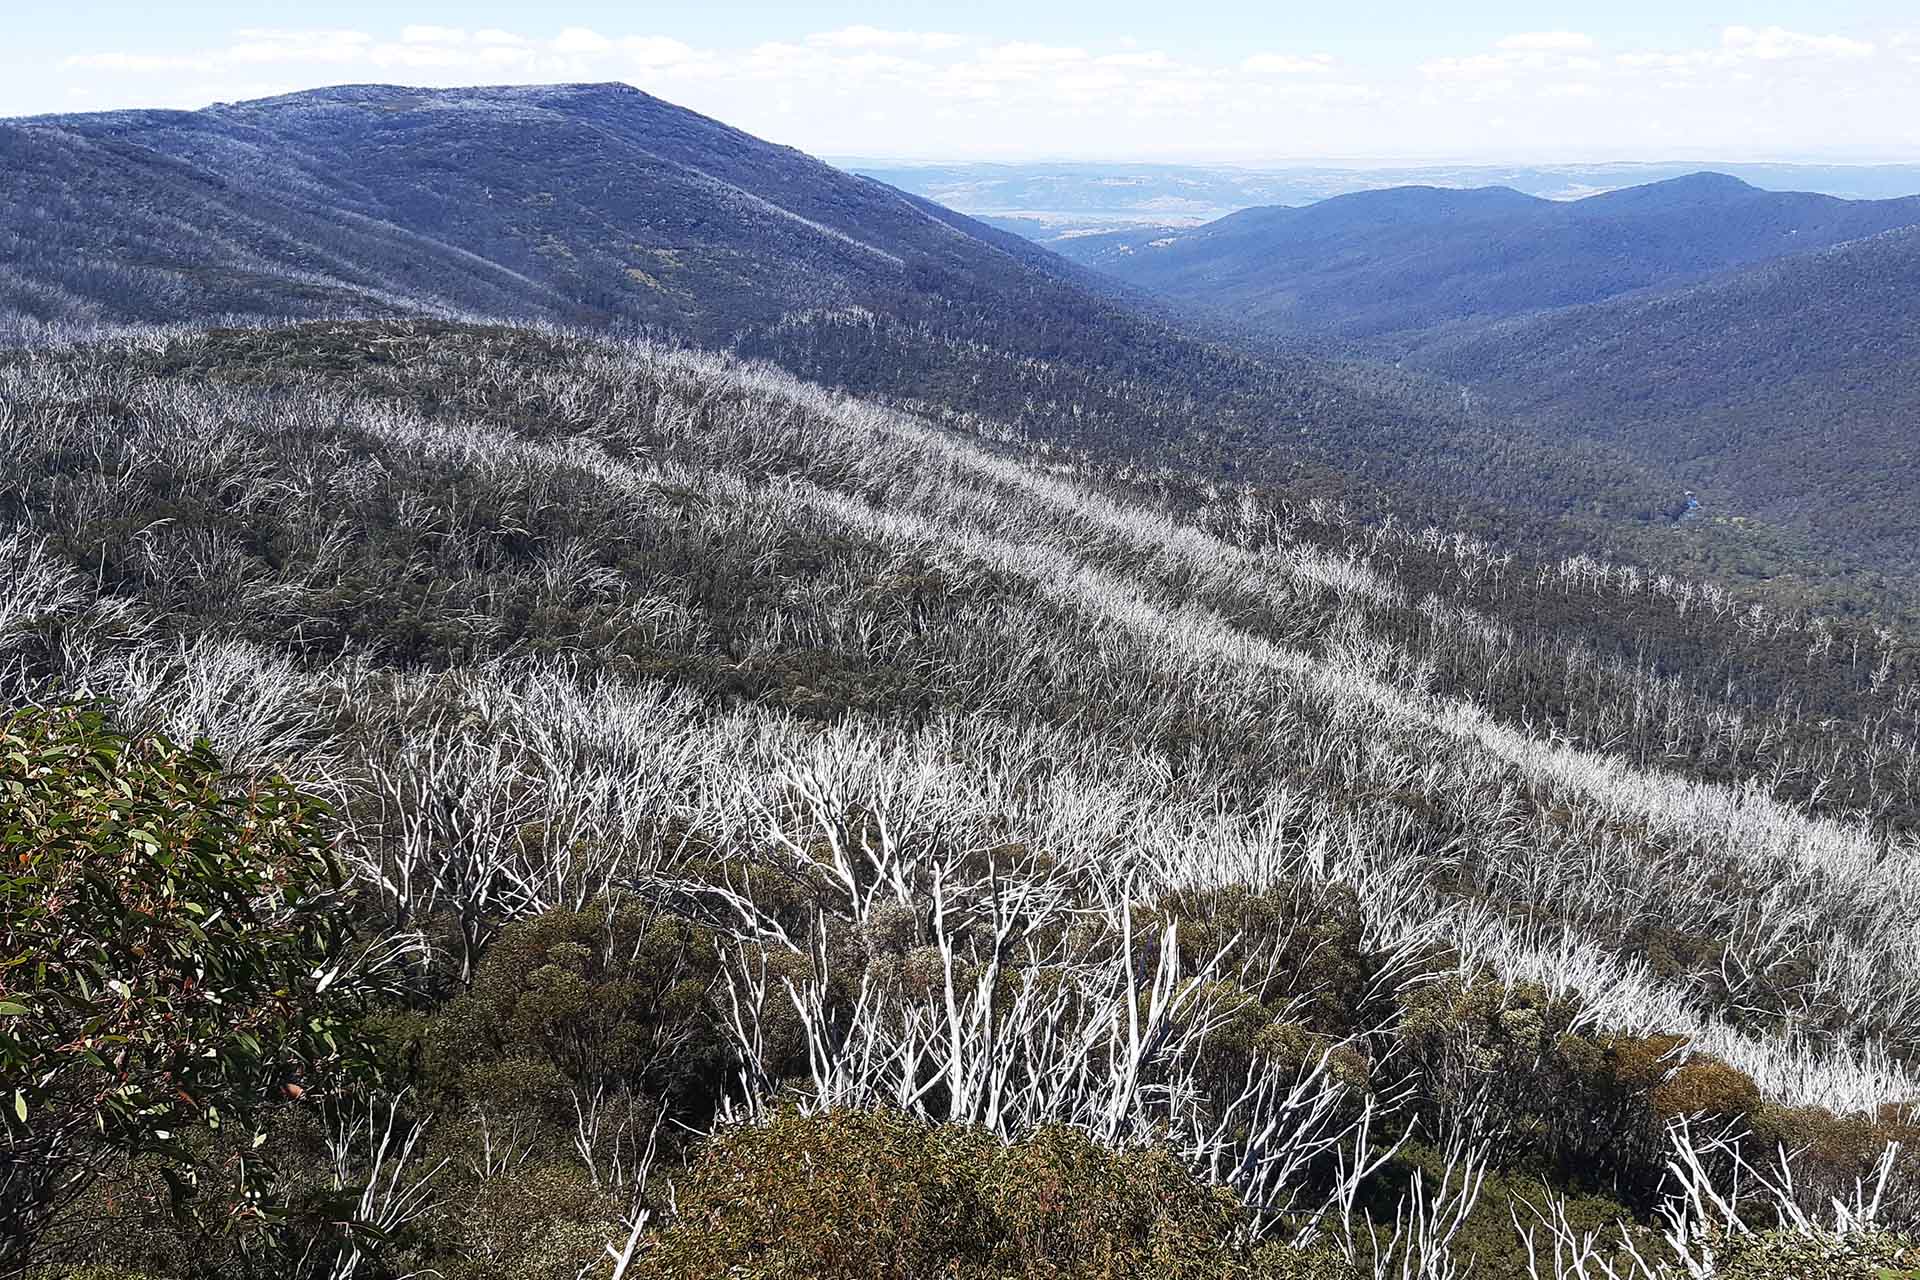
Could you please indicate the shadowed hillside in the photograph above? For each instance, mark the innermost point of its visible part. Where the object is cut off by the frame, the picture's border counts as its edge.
(1792, 388)
(1754, 348)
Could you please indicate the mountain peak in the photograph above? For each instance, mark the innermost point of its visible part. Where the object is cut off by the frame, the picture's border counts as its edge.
(394, 97)
(1704, 187)
(1422, 198)
(1705, 180)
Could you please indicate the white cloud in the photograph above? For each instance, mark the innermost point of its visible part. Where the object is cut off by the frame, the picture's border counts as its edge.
(137, 62)
(498, 57)
(1774, 43)
(870, 90)
(420, 56)
(864, 37)
(1287, 64)
(421, 34)
(778, 56)
(1549, 41)
(258, 46)
(1089, 83)
(581, 40)
(299, 34)
(1661, 61)
(1022, 54)
(657, 51)
(1479, 66)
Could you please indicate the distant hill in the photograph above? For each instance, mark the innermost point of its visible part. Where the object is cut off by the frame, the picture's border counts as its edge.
(592, 206)
(1760, 348)
(1378, 264)
(1792, 386)
(580, 203)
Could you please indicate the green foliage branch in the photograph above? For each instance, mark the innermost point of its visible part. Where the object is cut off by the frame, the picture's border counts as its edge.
(173, 958)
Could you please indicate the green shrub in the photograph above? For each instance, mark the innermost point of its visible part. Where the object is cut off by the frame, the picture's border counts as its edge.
(879, 1196)
(1706, 1086)
(1584, 1110)
(1832, 1152)
(1472, 1036)
(1309, 941)
(541, 1221)
(1789, 1255)
(171, 958)
(1488, 1235)
(611, 999)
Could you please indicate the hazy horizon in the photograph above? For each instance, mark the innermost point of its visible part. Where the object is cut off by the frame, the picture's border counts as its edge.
(1230, 82)
(1359, 163)
(1837, 159)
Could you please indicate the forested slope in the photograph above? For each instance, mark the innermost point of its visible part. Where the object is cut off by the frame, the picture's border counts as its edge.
(600, 206)
(1753, 348)
(724, 744)
(1791, 391)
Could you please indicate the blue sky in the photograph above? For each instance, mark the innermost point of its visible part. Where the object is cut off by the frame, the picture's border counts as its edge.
(1206, 80)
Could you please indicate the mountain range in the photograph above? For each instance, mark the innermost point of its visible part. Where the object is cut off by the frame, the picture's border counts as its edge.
(1793, 387)
(1759, 347)
(1263, 345)
(599, 205)
(1378, 264)
(1060, 201)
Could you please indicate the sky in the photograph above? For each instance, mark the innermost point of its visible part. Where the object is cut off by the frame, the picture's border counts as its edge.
(1220, 81)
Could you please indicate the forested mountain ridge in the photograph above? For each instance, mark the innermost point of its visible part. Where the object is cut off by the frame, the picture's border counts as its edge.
(1378, 265)
(1060, 201)
(591, 205)
(596, 205)
(1754, 348)
(577, 203)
